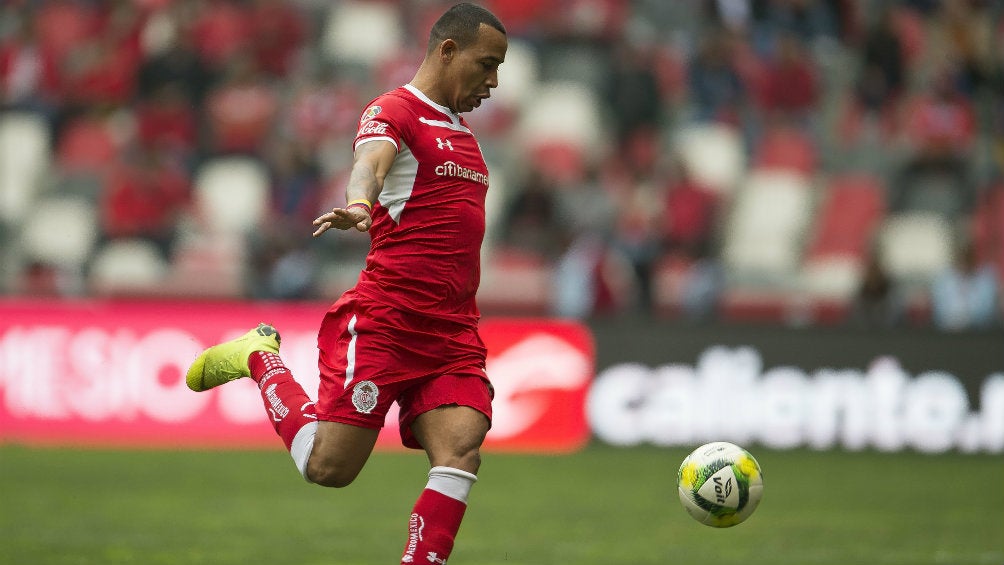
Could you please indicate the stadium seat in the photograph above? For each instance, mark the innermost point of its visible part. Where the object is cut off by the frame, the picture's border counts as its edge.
(60, 231)
(362, 33)
(714, 154)
(519, 74)
(914, 246)
(988, 228)
(231, 194)
(208, 266)
(127, 267)
(853, 208)
(25, 156)
(562, 112)
(831, 277)
(561, 131)
(844, 228)
(764, 233)
(786, 149)
(86, 145)
(515, 281)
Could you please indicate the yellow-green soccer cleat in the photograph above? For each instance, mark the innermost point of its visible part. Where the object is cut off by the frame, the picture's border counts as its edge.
(228, 361)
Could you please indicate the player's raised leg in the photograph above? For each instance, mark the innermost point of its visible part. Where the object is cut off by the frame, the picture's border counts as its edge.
(255, 355)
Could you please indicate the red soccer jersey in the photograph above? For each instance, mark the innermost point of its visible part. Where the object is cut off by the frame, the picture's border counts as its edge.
(429, 222)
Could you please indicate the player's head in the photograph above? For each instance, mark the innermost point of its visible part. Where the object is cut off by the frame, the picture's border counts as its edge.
(468, 43)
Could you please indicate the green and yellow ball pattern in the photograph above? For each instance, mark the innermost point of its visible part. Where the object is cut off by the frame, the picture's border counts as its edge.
(734, 490)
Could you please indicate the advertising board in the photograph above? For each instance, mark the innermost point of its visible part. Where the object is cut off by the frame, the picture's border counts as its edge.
(112, 374)
(847, 388)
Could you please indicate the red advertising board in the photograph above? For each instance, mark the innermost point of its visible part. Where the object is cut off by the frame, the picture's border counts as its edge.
(111, 374)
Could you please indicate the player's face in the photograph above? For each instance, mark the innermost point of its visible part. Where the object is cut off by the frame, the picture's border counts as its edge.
(474, 71)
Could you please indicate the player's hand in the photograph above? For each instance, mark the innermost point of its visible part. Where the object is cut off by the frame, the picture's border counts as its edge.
(343, 219)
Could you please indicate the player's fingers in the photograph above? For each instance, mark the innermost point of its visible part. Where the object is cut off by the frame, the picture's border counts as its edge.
(323, 228)
(328, 217)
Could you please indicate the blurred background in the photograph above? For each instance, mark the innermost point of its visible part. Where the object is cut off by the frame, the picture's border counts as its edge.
(795, 162)
(773, 222)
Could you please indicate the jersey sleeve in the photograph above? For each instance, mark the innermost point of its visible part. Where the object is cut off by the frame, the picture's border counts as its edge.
(384, 119)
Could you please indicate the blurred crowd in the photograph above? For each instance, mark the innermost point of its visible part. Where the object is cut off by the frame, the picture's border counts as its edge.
(804, 161)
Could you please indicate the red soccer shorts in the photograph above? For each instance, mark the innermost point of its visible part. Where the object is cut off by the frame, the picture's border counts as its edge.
(371, 356)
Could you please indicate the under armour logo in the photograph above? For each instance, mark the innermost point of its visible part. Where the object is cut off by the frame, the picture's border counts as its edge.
(440, 143)
(433, 558)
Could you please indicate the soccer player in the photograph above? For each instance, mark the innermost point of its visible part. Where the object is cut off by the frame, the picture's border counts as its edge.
(408, 331)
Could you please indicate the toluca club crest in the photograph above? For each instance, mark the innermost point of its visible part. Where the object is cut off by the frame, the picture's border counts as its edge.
(364, 396)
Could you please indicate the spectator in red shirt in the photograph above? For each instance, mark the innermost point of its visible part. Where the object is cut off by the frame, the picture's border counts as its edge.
(144, 197)
(241, 110)
(941, 120)
(791, 90)
(941, 130)
(28, 73)
(688, 215)
(62, 26)
(86, 143)
(220, 31)
(321, 109)
(103, 69)
(279, 31)
(100, 72)
(166, 120)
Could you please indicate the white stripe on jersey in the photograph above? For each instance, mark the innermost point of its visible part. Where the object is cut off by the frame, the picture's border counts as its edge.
(442, 124)
(350, 353)
(369, 139)
(399, 183)
(454, 119)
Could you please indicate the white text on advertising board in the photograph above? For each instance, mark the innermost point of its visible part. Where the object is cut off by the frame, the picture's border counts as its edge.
(729, 395)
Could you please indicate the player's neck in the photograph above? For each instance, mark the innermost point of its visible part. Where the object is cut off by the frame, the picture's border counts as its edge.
(425, 81)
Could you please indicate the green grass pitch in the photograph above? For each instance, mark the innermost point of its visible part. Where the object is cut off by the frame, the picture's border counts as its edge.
(602, 506)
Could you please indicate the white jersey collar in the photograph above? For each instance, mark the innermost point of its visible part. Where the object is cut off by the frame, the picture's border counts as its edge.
(443, 109)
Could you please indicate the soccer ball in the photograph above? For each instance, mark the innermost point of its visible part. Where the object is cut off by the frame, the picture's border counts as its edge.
(720, 484)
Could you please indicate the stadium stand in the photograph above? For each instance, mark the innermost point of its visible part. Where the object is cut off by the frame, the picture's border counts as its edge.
(827, 136)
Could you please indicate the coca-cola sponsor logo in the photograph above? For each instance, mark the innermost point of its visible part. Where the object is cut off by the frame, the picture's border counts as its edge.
(373, 127)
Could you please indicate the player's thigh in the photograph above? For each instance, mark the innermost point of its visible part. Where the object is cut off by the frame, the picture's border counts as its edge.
(340, 452)
(452, 436)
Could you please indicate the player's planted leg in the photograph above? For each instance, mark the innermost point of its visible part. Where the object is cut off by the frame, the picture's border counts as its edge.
(452, 437)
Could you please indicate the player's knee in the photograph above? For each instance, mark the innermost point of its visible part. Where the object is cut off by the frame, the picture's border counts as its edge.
(328, 475)
(471, 461)
(465, 459)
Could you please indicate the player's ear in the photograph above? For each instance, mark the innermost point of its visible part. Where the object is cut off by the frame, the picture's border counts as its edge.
(447, 50)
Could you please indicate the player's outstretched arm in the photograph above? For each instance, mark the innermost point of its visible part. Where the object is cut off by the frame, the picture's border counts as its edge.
(371, 163)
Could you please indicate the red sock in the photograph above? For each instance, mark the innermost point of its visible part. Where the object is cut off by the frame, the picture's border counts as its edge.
(436, 517)
(288, 406)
